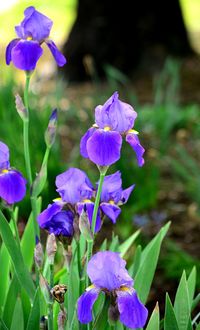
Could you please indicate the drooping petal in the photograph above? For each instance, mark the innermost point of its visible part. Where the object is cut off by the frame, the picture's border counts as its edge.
(107, 270)
(58, 56)
(115, 114)
(9, 48)
(85, 304)
(112, 187)
(90, 208)
(12, 186)
(83, 143)
(26, 54)
(134, 142)
(111, 210)
(133, 314)
(4, 156)
(74, 186)
(35, 25)
(56, 220)
(126, 193)
(104, 147)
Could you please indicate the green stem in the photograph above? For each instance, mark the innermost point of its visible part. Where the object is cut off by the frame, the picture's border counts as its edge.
(14, 221)
(26, 133)
(50, 306)
(94, 218)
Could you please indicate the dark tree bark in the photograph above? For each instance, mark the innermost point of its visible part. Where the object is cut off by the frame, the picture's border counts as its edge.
(124, 34)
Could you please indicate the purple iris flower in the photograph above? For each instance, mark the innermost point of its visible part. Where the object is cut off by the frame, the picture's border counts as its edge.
(102, 142)
(12, 183)
(26, 50)
(112, 195)
(108, 274)
(56, 220)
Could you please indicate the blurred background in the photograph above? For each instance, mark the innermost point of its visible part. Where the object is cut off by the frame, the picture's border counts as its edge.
(149, 52)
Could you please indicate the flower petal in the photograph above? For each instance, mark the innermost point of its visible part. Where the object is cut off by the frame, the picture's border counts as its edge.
(35, 25)
(126, 193)
(90, 208)
(74, 186)
(133, 314)
(112, 187)
(83, 143)
(104, 147)
(115, 114)
(85, 304)
(9, 48)
(12, 186)
(111, 210)
(26, 54)
(4, 156)
(58, 56)
(107, 270)
(46, 216)
(134, 142)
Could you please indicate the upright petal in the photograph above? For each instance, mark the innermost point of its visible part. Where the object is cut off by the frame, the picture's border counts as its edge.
(58, 56)
(134, 142)
(111, 188)
(35, 25)
(26, 54)
(83, 143)
(126, 193)
(12, 186)
(116, 114)
(85, 304)
(74, 186)
(4, 156)
(9, 48)
(104, 147)
(107, 270)
(111, 210)
(133, 314)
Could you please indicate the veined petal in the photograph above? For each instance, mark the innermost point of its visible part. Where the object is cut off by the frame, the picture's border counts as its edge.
(4, 156)
(106, 269)
(85, 304)
(134, 142)
(12, 186)
(26, 54)
(46, 216)
(133, 314)
(83, 143)
(112, 187)
(104, 147)
(9, 48)
(58, 56)
(111, 210)
(74, 185)
(35, 25)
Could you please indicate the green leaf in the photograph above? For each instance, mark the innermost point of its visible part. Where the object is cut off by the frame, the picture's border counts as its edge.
(103, 246)
(191, 282)
(101, 321)
(4, 275)
(21, 270)
(182, 304)
(18, 318)
(123, 248)
(136, 262)
(149, 259)
(198, 327)
(114, 246)
(195, 301)
(170, 322)
(28, 239)
(2, 325)
(11, 298)
(34, 316)
(154, 321)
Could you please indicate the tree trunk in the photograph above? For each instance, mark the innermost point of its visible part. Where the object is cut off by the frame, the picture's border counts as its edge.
(125, 34)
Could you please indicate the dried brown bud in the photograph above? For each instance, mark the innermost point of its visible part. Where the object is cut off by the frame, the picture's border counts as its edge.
(67, 253)
(22, 111)
(58, 292)
(38, 255)
(45, 290)
(51, 248)
(84, 225)
(62, 318)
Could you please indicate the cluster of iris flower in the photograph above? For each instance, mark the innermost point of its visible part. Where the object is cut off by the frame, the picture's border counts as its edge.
(102, 145)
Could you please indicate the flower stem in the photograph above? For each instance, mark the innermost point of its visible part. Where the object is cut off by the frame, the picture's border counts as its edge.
(94, 217)
(26, 133)
(50, 306)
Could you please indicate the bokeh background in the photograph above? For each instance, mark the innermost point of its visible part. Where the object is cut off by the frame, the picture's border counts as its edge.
(164, 89)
